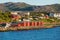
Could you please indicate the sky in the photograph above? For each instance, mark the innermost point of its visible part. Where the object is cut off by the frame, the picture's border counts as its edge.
(34, 2)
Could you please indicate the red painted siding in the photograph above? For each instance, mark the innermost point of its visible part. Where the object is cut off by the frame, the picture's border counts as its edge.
(25, 24)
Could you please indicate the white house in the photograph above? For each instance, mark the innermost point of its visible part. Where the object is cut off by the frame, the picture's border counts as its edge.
(26, 20)
(15, 13)
(7, 25)
(57, 15)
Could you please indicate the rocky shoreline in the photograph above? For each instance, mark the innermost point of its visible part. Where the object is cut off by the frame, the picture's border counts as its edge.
(44, 26)
(3, 29)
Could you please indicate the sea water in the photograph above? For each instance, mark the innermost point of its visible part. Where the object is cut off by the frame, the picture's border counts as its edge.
(41, 34)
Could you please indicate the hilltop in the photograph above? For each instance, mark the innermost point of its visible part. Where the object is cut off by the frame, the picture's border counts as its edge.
(21, 6)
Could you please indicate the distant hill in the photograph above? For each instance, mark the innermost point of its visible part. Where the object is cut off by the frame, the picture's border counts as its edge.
(49, 8)
(10, 6)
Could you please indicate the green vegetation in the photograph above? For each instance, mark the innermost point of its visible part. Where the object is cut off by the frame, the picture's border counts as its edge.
(36, 17)
(5, 17)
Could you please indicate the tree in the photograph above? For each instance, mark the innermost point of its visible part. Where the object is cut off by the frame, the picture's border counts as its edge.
(5, 17)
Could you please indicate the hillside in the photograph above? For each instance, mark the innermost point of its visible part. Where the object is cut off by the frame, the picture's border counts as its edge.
(20, 6)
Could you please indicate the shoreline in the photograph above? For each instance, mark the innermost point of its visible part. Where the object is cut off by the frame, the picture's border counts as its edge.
(19, 28)
(3, 29)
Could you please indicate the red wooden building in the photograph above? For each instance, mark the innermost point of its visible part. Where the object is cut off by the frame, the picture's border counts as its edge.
(25, 24)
